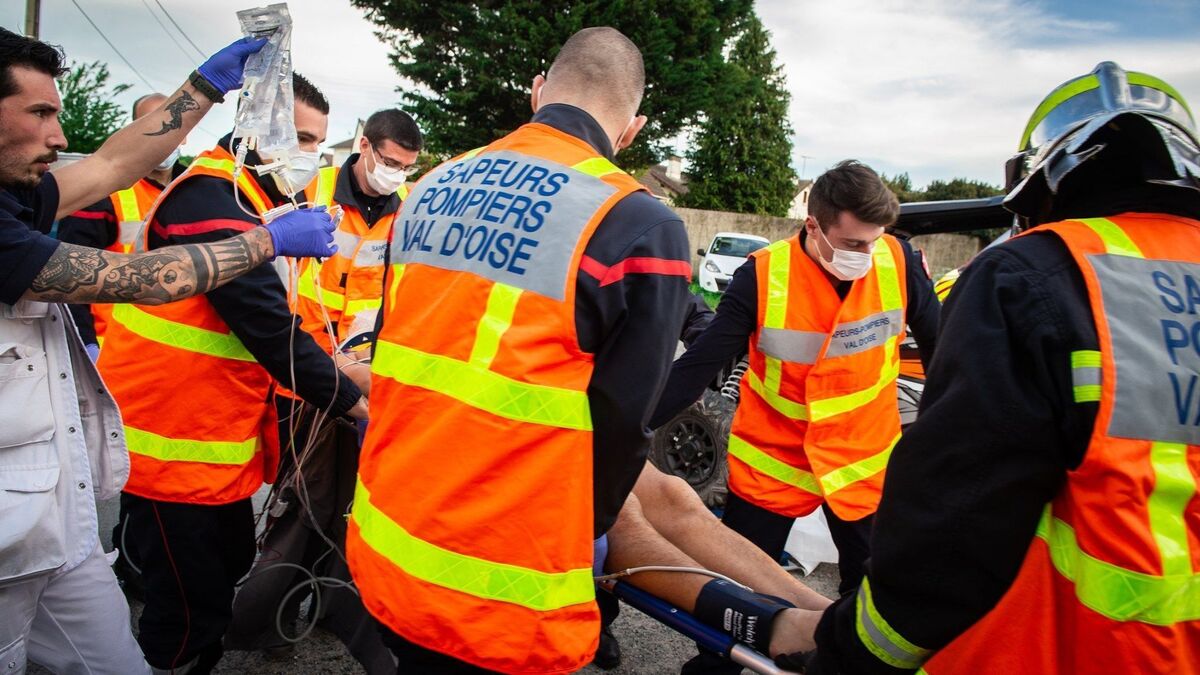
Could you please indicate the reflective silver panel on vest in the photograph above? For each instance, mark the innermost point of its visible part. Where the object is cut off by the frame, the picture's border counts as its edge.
(794, 346)
(1152, 309)
(859, 336)
(505, 216)
(127, 231)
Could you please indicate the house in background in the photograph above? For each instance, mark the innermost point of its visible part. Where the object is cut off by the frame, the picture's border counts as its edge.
(666, 181)
(341, 151)
(799, 208)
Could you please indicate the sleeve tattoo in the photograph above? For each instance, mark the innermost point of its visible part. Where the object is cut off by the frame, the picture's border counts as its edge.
(176, 108)
(82, 275)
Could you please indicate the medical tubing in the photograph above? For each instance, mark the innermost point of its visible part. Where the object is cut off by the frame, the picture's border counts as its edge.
(669, 568)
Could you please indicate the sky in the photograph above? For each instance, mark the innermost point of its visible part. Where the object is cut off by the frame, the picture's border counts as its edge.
(935, 88)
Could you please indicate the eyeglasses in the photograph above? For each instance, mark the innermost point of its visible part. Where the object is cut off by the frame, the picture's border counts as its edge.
(406, 170)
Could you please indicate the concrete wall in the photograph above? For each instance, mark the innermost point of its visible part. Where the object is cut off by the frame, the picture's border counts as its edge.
(702, 225)
(942, 251)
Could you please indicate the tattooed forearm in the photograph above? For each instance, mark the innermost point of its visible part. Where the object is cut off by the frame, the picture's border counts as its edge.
(176, 108)
(81, 275)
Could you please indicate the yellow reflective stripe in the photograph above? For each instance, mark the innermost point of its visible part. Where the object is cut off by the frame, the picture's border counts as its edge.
(397, 272)
(244, 181)
(597, 166)
(784, 406)
(886, 276)
(539, 591)
(326, 180)
(1115, 239)
(483, 389)
(779, 261)
(180, 336)
(878, 636)
(130, 210)
(766, 464)
(829, 407)
(166, 449)
(1144, 80)
(501, 305)
(402, 192)
(862, 469)
(471, 153)
(361, 305)
(1174, 487)
(1085, 375)
(1056, 97)
(306, 287)
(1117, 593)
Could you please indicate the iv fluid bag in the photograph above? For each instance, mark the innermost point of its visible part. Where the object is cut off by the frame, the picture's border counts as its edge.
(266, 108)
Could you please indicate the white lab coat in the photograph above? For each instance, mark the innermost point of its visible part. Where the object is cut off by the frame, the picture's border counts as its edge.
(61, 443)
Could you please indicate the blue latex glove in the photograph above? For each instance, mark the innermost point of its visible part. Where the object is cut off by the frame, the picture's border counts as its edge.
(304, 233)
(93, 351)
(223, 70)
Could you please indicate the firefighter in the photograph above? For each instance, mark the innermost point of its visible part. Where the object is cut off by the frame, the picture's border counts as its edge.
(1042, 515)
(531, 311)
(194, 382)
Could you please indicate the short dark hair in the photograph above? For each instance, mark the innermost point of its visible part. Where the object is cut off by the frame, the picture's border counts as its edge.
(18, 50)
(395, 125)
(306, 92)
(855, 187)
(601, 61)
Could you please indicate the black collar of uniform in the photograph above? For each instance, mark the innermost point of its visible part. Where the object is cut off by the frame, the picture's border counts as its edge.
(347, 190)
(576, 122)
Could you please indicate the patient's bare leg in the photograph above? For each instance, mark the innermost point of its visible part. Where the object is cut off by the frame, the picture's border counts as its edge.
(675, 511)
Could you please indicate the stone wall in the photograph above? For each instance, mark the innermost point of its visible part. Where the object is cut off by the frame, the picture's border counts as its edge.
(942, 251)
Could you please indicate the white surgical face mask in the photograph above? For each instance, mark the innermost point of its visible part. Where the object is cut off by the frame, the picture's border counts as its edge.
(169, 161)
(846, 265)
(384, 179)
(302, 168)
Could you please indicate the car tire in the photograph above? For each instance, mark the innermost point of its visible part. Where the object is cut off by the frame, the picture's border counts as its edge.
(693, 445)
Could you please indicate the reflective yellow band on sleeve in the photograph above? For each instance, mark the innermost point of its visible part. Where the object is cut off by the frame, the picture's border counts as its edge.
(180, 336)
(770, 466)
(166, 449)
(1085, 375)
(537, 590)
(483, 389)
(880, 638)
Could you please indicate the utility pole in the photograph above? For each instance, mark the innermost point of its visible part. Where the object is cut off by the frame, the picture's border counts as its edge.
(33, 12)
(804, 165)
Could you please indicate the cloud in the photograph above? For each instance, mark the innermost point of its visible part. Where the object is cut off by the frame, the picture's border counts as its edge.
(940, 88)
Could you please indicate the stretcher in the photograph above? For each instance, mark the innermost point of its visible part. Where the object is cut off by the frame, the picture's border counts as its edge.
(692, 628)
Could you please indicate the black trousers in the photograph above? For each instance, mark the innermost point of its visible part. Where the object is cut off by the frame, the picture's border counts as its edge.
(191, 556)
(769, 531)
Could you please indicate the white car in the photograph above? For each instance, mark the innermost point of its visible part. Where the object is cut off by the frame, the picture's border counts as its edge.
(725, 254)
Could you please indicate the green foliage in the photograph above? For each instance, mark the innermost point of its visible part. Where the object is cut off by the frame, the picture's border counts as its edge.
(473, 62)
(711, 299)
(742, 158)
(89, 114)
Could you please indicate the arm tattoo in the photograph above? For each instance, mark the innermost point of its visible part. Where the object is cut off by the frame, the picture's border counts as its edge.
(183, 104)
(80, 274)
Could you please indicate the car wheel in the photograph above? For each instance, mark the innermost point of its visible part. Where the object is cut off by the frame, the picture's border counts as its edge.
(693, 445)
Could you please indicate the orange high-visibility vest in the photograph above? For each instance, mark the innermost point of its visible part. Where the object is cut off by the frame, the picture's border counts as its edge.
(195, 404)
(818, 418)
(131, 206)
(1111, 581)
(471, 531)
(351, 280)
